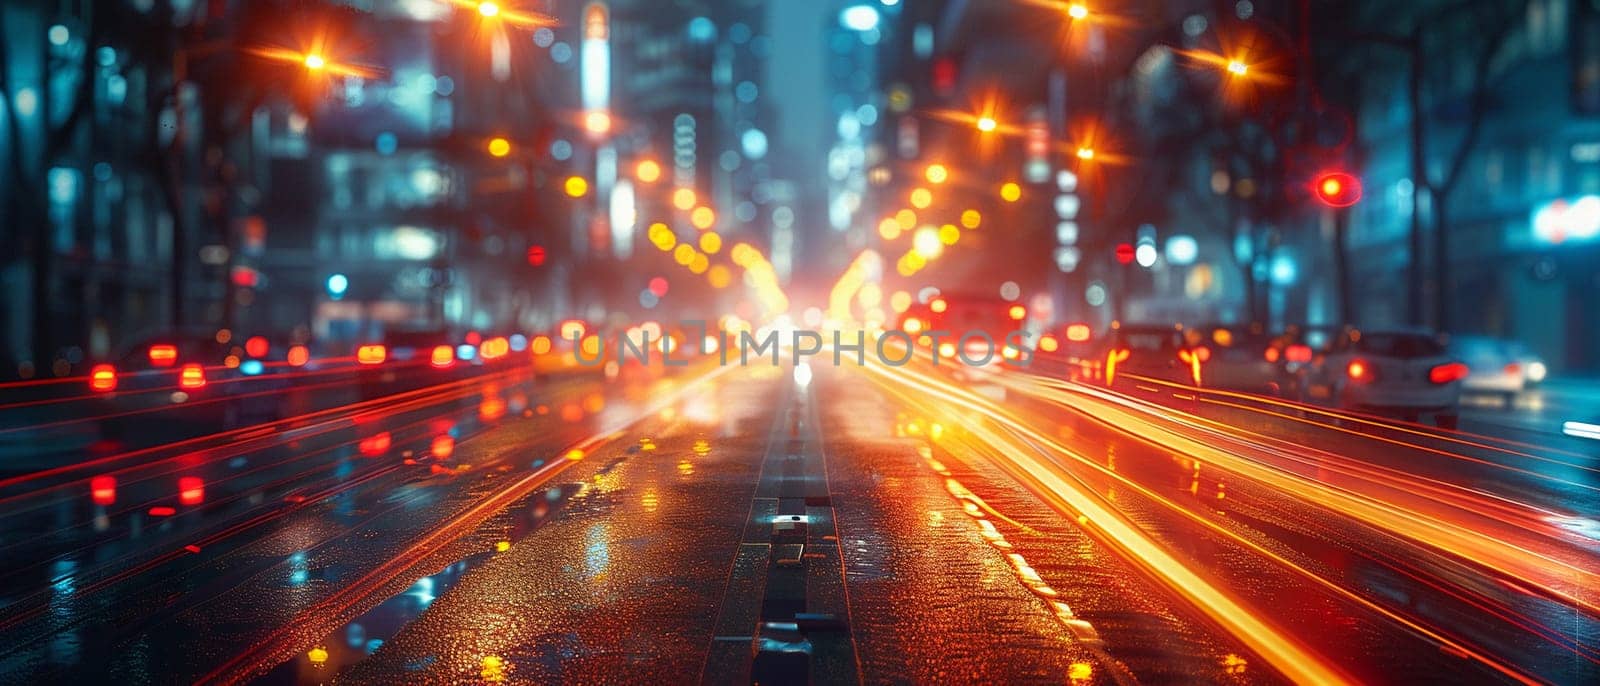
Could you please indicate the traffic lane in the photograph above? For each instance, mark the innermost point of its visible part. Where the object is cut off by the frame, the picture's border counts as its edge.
(1538, 413)
(117, 514)
(199, 606)
(626, 578)
(1288, 563)
(1397, 580)
(947, 560)
(1552, 475)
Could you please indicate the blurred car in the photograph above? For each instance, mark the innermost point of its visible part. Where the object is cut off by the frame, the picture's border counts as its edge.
(1242, 358)
(192, 380)
(1492, 367)
(1533, 367)
(1405, 373)
(411, 358)
(1158, 351)
(971, 317)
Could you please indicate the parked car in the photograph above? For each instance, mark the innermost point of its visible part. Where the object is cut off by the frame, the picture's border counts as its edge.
(1405, 373)
(1492, 367)
(1533, 367)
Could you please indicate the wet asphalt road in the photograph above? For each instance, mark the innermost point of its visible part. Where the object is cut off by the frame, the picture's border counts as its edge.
(724, 526)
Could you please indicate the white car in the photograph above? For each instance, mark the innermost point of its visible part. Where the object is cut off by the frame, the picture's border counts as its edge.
(1401, 373)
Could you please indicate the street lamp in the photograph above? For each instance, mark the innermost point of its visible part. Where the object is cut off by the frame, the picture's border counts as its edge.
(1077, 11)
(1238, 68)
(987, 124)
(1085, 153)
(488, 9)
(314, 61)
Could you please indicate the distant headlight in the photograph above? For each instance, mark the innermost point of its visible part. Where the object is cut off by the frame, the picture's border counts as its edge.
(1536, 371)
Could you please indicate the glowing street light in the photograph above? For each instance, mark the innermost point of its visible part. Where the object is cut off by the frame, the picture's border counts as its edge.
(1085, 153)
(1238, 68)
(1077, 11)
(488, 9)
(1010, 191)
(987, 124)
(937, 173)
(499, 147)
(315, 62)
(577, 186)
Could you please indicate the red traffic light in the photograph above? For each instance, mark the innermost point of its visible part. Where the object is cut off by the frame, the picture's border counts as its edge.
(1337, 189)
(536, 256)
(1124, 253)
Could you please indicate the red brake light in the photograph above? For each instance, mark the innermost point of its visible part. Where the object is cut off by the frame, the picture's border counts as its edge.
(256, 346)
(377, 444)
(1358, 371)
(1448, 372)
(1514, 369)
(1298, 353)
(192, 376)
(298, 356)
(163, 355)
(103, 490)
(191, 490)
(372, 354)
(1271, 354)
(1078, 333)
(1202, 353)
(103, 378)
(443, 356)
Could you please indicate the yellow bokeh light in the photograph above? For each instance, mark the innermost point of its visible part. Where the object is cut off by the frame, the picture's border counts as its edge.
(900, 301)
(648, 171)
(577, 187)
(719, 276)
(889, 229)
(684, 254)
(937, 173)
(921, 198)
(683, 198)
(499, 147)
(1010, 191)
(949, 234)
(971, 219)
(710, 242)
(702, 217)
(906, 219)
(700, 263)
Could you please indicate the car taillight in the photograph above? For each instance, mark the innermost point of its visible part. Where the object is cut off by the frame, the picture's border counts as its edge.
(1359, 371)
(103, 490)
(494, 348)
(1047, 343)
(298, 356)
(1112, 358)
(1298, 353)
(163, 355)
(1514, 369)
(1078, 333)
(257, 346)
(191, 490)
(1192, 357)
(443, 356)
(192, 376)
(103, 378)
(912, 325)
(1017, 312)
(1448, 372)
(371, 354)
(1271, 354)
